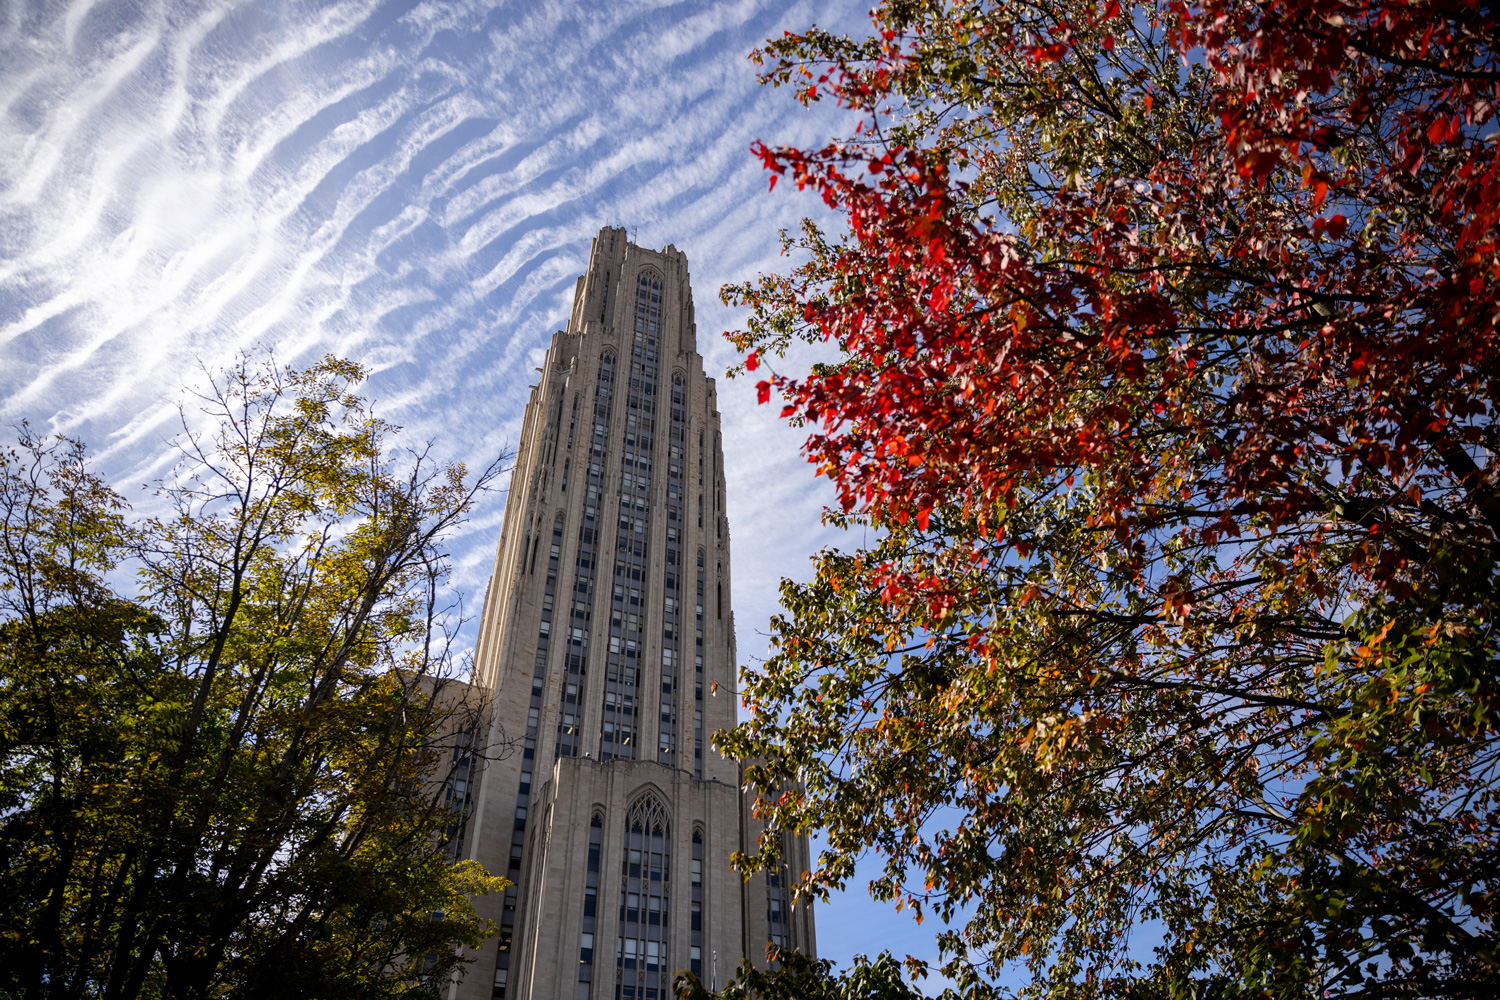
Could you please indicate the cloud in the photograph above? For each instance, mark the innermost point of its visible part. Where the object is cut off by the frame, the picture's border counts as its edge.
(411, 184)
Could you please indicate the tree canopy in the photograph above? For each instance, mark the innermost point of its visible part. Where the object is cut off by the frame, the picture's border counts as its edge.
(794, 976)
(1160, 347)
(231, 779)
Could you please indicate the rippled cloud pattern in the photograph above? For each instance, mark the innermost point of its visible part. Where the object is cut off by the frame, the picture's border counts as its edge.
(413, 185)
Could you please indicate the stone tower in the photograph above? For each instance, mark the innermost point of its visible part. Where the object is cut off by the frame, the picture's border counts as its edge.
(607, 639)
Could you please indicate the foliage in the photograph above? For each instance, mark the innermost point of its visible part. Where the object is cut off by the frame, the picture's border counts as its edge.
(231, 783)
(796, 976)
(1165, 366)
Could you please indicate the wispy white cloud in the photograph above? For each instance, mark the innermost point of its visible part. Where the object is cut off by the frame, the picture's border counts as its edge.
(412, 187)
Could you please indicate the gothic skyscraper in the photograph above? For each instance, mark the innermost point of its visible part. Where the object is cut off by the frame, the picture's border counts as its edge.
(607, 640)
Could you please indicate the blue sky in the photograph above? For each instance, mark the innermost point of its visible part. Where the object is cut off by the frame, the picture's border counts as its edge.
(410, 184)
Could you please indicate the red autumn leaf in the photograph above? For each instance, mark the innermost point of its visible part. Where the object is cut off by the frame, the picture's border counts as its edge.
(1150, 366)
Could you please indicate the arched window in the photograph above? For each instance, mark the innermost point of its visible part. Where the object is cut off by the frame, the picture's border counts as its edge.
(641, 960)
(648, 304)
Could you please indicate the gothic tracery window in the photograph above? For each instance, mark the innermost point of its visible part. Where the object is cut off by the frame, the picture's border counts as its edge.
(643, 966)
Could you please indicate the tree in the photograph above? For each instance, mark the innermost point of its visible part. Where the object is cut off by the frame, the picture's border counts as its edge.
(232, 782)
(795, 976)
(1164, 364)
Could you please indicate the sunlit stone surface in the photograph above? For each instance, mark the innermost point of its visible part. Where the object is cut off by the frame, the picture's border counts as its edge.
(607, 639)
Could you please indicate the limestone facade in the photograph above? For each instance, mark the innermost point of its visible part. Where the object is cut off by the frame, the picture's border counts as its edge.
(607, 641)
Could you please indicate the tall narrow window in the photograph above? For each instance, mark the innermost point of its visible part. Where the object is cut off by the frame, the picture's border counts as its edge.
(590, 909)
(460, 791)
(580, 599)
(695, 930)
(698, 675)
(778, 919)
(630, 621)
(528, 757)
(671, 655)
(643, 966)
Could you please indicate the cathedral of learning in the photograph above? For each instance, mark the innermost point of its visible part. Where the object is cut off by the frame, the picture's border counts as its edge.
(607, 646)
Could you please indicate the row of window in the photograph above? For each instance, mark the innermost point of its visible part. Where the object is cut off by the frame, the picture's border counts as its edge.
(627, 619)
(569, 730)
(667, 731)
(528, 760)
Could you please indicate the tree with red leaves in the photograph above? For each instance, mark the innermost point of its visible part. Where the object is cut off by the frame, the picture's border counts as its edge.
(1165, 359)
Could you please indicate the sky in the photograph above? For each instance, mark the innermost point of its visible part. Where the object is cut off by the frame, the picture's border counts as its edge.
(412, 185)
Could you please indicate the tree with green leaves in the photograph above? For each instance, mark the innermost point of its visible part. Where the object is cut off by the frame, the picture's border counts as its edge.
(1160, 349)
(792, 975)
(230, 779)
